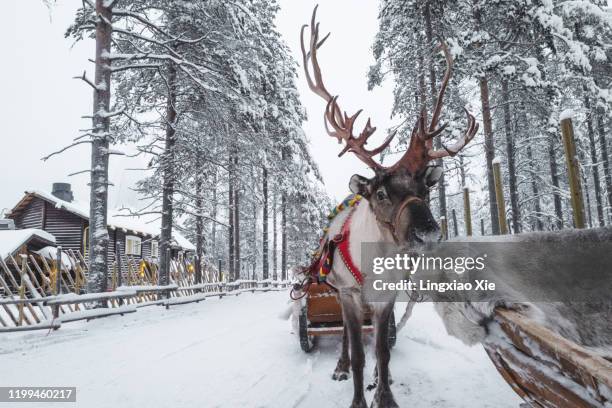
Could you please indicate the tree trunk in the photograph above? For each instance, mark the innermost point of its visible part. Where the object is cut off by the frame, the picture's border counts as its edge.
(230, 219)
(432, 82)
(284, 236)
(98, 212)
(168, 178)
(536, 193)
(511, 157)
(237, 265)
(199, 221)
(274, 238)
(603, 147)
(489, 152)
(554, 176)
(254, 241)
(265, 267)
(284, 223)
(594, 160)
(213, 227)
(215, 210)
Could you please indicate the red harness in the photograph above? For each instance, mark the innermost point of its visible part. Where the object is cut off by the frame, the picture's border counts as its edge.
(342, 241)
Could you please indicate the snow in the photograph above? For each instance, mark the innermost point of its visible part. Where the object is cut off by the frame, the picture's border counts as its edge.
(235, 352)
(11, 240)
(182, 241)
(496, 160)
(50, 252)
(509, 70)
(95, 313)
(566, 114)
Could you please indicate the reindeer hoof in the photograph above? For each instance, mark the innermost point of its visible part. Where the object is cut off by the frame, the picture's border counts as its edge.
(359, 404)
(374, 383)
(383, 399)
(340, 375)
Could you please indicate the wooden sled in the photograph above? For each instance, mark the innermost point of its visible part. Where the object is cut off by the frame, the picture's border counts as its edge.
(546, 369)
(322, 316)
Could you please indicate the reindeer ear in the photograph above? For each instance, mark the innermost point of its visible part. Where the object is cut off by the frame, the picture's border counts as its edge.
(360, 185)
(432, 175)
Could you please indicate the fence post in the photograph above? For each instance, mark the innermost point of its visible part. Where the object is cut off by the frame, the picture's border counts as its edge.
(482, 228)
(499, 197)
(455, 227)
(467, 212)
(22, 291)
(119, 271)
(569, 144)
(167, 277)
(58, 279)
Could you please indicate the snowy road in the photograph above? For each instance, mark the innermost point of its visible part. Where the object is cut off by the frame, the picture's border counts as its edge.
(236, 352)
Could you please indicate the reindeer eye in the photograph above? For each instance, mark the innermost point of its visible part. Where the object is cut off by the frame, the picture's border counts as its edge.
(381, 195)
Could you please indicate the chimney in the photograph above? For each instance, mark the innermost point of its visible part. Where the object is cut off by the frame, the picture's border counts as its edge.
(62, 191)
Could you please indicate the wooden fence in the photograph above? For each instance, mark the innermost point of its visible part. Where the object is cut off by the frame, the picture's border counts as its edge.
(41, 293)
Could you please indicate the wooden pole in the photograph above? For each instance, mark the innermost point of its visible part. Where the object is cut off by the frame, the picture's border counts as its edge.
(444, 227)
(569, 144)
(58, 281)
(455, 227)
(467, 212)
(482, 228)
(499, 196)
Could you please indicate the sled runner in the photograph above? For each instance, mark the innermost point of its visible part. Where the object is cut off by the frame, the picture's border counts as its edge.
(546, 369)
(321, 315)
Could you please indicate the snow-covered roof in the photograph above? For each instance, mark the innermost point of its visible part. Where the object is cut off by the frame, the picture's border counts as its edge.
(182, 241)
(12, 240)
(122, 219)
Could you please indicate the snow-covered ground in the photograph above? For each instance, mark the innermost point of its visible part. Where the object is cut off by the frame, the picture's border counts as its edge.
(237, 352)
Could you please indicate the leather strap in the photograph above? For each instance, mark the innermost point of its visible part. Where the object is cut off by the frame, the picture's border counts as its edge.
(393, 225)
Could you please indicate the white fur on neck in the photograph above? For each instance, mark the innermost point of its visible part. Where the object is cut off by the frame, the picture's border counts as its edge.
(363, 229)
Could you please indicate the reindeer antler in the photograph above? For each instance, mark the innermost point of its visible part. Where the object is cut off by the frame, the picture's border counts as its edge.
(420, 151)
(341, 124)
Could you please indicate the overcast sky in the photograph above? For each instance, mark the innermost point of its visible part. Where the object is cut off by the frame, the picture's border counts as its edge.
(41, 105)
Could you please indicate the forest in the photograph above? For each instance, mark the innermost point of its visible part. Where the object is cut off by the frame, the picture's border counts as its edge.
(206, 92)
(523, 65)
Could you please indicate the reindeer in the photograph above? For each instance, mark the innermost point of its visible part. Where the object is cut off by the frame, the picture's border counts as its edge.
(395, 210)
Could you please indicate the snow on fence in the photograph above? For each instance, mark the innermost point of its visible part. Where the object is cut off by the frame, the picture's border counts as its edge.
(38, 292)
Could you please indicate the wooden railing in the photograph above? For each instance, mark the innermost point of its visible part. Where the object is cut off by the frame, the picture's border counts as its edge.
(40, 293)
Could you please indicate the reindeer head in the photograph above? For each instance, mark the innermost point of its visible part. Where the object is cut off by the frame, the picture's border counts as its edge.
(397, 194)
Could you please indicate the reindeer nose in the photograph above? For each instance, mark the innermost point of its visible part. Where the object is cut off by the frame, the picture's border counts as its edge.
(427, 237)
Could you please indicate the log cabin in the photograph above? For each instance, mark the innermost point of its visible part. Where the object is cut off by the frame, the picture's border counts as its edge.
(68, 221)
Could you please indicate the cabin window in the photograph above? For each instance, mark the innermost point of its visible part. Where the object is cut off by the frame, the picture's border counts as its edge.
(86, 241)
(154, 248)
(133, 245)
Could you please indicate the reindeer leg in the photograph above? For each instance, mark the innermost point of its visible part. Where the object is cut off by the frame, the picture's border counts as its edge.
(341, 372)
(374, 383)
(353, 318)
(383, 397)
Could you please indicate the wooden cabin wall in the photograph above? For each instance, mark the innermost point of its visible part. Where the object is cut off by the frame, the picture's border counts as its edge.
(66, 227)
(31, 216)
